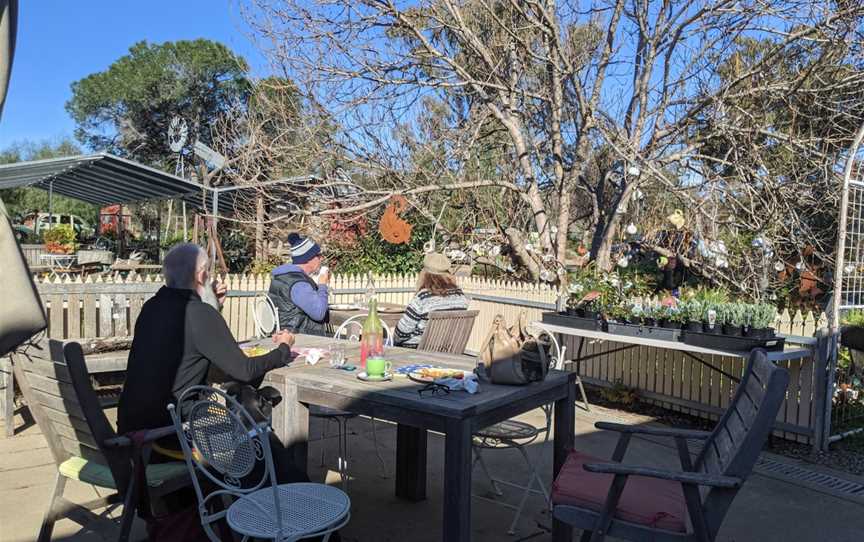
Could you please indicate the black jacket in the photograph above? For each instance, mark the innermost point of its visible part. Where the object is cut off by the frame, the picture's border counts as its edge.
(177, 337)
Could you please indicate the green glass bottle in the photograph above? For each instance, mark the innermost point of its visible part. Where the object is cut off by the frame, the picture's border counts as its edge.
(372, 342)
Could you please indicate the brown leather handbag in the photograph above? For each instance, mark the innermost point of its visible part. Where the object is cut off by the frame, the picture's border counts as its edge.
(510, 356)
(21, 312)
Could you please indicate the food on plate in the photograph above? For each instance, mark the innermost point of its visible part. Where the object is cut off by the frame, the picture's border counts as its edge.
(253, 351)
(438, 372)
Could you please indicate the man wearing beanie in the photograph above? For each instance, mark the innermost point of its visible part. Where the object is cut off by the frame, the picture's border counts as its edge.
(302, 304)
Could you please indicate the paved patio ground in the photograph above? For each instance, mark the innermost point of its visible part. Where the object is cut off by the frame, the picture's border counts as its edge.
(769, 508)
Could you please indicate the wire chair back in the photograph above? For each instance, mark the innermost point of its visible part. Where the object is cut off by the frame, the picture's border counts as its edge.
(352, 329)
(222, 442)
(266, 316)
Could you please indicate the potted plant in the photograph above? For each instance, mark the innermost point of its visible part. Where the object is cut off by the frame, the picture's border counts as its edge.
(692, 313)
(852, 330)
(734, 319)
(60, 239)
(761, 316)
(651, 315)
(712, 321)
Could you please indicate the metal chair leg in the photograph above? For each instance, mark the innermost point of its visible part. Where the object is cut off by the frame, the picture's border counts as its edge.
(582, 392)
(485, 469)
(532, 477)
(324, 422)
(51, 514)
(378, 450)
(343, 451)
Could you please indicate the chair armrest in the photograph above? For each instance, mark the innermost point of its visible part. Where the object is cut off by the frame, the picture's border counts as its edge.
(149, 436)
(655, 431)
(698, 478)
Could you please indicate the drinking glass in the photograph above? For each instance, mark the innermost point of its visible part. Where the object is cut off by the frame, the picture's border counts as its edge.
(337, 356)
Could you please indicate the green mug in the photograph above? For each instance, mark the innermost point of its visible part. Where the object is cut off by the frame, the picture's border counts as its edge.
(377, 367)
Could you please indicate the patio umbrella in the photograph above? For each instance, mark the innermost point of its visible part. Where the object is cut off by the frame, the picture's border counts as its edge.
(8, 28)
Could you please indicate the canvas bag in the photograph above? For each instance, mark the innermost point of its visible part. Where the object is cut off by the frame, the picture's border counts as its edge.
(21, 312)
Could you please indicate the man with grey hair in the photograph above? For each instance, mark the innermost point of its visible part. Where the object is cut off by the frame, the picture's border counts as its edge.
(177, 338)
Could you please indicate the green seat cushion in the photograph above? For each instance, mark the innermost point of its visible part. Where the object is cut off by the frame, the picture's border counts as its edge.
(93, 473)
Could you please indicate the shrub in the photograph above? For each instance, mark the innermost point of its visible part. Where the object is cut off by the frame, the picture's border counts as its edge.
(60, 239)
(762, 315)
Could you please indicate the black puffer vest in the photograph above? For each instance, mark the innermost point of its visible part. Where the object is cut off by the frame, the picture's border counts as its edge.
(292, 317)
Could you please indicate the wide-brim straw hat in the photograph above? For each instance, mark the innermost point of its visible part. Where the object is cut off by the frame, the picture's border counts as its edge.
(435, 262)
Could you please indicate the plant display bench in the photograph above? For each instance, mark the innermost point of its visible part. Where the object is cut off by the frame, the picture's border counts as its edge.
(700, 380)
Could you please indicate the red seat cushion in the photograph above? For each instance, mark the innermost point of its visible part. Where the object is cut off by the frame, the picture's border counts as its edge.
(646, 501)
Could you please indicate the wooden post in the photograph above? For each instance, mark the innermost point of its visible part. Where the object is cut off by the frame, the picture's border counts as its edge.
(825, 360)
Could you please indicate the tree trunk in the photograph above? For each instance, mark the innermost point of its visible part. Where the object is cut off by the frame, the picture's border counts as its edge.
(259, 229)
(520, 255)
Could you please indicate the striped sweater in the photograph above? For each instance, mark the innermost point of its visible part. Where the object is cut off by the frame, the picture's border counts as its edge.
(413, 323)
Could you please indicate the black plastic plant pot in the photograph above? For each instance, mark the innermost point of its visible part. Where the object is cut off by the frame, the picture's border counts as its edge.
(573, 311)
(670, 324)
(592, 315)
(716, 329)
(852, 337)
(761, 333)
(732, 331)
(693, 326)
(650, 322)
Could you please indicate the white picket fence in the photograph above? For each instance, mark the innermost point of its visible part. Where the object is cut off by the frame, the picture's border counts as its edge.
(104, 307)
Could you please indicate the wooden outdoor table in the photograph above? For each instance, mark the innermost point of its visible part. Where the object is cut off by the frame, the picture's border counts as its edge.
(456, 415)
(390, 313)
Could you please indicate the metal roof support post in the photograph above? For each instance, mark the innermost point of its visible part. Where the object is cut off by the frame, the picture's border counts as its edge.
(50, 205)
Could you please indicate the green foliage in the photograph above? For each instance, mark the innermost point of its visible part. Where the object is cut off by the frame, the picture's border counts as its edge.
(237, 249)
(853, 318)
(708, 296)
(22, 201)
(60, 238)
(733, 314)
(264, 267)
(761, 315)
(692, 310)
(126, 109)
(373, 254)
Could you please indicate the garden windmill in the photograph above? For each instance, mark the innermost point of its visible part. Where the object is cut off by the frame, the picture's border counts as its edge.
(178, 134)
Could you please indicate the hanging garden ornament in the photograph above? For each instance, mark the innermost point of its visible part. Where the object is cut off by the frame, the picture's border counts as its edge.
(632, 229)
(721, 262)
(554, 230)
(638, 195)
(849, 269)
(623, 261)
(758, 242)
(633, 171)
(548, 258)
(457, 255)
(799, 266)
(546, 276)
(495, 251)
(561, 272)
(779, 266)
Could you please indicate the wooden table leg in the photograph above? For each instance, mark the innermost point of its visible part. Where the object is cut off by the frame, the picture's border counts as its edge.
(457, 481)
(291, 422)
(565, 427)
(410, 463)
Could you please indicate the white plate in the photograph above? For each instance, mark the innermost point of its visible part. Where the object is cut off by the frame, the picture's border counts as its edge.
(366, 378)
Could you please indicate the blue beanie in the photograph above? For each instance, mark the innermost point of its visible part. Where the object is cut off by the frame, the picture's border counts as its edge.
(302, 249)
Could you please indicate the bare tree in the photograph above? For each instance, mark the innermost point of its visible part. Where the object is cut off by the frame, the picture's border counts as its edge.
(557, 116)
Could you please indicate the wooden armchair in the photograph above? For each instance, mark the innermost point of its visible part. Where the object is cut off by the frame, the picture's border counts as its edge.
(447, 331)
(54, 381)
(641, 503)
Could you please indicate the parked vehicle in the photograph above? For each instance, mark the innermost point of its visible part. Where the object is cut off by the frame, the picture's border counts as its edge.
(39, 222)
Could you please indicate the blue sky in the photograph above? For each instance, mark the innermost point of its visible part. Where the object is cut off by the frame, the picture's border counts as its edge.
(61, 41)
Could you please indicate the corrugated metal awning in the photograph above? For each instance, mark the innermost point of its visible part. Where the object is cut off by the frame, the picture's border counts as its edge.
(103, 179)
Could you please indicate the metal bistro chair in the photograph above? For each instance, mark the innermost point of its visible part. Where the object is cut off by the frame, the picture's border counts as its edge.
(225, 447)
(341, 417)
(266, 316)
(646, 503)
(516, 435)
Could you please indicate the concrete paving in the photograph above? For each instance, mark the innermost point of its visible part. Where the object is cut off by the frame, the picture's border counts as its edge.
(768, 509)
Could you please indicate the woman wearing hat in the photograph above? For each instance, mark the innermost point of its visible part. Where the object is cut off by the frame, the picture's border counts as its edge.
(436, 291)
